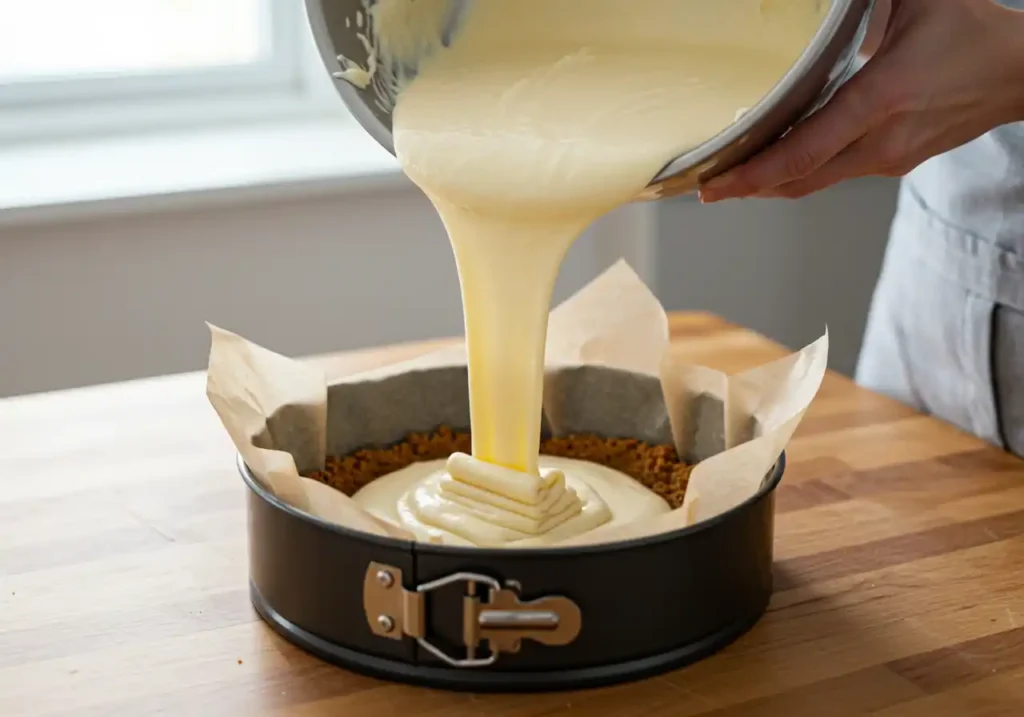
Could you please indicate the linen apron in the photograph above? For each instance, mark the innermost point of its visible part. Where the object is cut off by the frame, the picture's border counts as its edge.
(945, 332)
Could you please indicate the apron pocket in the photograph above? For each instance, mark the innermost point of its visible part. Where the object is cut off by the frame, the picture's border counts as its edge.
(1007, 369)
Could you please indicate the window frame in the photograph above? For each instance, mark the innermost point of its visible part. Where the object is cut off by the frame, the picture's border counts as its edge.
(291, 83)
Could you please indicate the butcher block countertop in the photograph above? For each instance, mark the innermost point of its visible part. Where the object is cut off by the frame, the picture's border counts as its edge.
(123, 583)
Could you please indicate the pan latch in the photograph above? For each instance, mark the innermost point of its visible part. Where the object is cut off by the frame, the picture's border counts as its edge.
(492, 614)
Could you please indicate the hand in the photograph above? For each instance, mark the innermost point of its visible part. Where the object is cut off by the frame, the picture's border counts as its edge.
(945, 73)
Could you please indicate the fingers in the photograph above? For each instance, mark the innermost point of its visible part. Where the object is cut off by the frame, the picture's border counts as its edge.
(857, 160)
(890, 150)
(853, 112)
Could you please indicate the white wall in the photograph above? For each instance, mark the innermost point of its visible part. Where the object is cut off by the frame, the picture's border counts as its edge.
(783, 268)
(118, 297)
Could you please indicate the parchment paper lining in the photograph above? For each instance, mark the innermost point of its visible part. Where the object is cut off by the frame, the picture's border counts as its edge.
(610, 373)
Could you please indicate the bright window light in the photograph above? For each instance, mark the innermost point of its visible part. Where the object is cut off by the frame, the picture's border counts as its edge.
(65, 39)
(81, 68)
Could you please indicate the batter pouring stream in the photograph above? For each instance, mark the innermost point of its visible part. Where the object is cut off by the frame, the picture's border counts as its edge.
(540, 117)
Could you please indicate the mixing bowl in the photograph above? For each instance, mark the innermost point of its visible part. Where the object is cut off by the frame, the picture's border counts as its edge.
(827, 62)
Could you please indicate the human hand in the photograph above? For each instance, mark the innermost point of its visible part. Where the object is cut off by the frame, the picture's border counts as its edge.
(945, 72)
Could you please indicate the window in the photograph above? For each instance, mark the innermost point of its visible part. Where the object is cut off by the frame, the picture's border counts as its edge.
(68, 66)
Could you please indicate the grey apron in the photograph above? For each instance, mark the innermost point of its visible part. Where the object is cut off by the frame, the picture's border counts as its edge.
(945, 332)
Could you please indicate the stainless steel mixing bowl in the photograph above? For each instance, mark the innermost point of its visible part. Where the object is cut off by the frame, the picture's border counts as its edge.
(824, 66)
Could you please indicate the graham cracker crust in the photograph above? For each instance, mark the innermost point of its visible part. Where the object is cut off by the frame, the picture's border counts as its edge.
(656, 467)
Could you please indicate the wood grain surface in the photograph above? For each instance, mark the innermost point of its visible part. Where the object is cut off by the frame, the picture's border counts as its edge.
(900, 570)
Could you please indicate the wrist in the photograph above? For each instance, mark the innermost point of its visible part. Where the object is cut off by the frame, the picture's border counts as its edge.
(1019, 75)
(1011, 24)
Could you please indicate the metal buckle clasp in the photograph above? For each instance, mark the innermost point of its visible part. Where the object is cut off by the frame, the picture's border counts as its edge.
(497, 616)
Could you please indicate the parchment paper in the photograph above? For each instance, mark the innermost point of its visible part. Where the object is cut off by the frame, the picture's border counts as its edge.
(609, 370)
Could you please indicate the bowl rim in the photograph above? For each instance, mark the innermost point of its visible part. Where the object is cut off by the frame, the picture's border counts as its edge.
(768, 486)
(837, 14)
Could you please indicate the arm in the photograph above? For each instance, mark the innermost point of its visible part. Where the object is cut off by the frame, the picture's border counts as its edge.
(944, 73)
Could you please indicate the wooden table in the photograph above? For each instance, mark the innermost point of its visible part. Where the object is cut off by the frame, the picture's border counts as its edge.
(900, 570)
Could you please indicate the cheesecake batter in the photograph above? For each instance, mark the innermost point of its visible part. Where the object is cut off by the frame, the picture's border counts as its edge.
(536, 119)
(411, 498)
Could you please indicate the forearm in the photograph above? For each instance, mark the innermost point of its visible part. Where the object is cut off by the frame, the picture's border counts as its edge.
(1009, 34)
(1018, 60)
